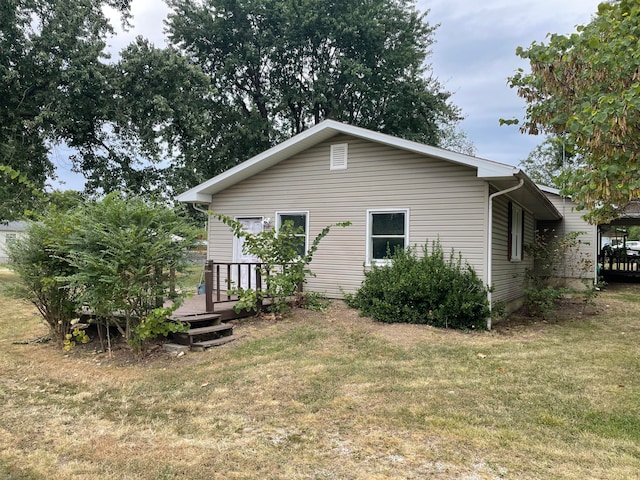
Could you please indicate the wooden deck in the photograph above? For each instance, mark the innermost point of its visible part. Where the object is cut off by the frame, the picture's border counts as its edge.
(209, 312)
(197, 305)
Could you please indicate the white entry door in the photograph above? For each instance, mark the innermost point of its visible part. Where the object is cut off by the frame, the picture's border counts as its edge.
(244, 276)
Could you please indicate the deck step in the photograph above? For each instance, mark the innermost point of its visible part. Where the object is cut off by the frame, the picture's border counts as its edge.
(213, 318)
(208, 334)
(214, 343)
(213, 328)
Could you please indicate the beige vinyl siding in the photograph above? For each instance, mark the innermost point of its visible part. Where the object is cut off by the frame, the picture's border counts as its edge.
(508, 276)
(445, 201)
(573, 222)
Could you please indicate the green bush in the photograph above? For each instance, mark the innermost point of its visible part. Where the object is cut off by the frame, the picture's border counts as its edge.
(114, 256)
(123, 252)
(43, 267)
(427, 289)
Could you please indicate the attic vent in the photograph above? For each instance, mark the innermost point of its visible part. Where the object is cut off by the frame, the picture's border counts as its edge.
(339, 153)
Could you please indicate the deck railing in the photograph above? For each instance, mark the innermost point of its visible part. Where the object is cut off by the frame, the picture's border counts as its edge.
(619, 264)
(220, 278)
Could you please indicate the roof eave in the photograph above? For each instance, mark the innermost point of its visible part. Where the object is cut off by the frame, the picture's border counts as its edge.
(203, 193)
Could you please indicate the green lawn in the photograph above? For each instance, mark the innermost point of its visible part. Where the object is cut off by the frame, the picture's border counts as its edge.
(332, 396)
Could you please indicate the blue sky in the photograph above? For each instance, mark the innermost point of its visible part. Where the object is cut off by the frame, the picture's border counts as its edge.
(473, 55)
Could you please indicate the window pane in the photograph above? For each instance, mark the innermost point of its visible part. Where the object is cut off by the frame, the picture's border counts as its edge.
(387, 223)
(381, 245)
(297, 220)
(299, 246)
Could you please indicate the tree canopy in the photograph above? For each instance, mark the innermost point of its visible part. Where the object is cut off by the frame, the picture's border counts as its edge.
(52, 80)
(586, 87)
(547, 163)
(237, 77)
(280, 67)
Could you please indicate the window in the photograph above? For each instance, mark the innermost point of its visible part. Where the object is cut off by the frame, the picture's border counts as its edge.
(387, 230)
(10, 238)
(516, 232)
(339, 154)
(299, 220)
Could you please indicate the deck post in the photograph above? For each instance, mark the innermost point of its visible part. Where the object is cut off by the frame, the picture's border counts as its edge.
(259, 286)
(208, 285)
(217, 282)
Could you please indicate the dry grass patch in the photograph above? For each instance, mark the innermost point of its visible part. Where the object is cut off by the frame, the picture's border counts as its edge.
(333, 396)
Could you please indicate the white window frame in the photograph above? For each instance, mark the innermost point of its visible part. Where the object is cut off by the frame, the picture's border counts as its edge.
(339, 156)
(369, 247)
(516, 232)
(306, 225)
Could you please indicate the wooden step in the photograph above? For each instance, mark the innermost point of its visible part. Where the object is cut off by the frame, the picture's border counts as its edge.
(213, 343)
(213, 318)
(213, 328)
(203, 334)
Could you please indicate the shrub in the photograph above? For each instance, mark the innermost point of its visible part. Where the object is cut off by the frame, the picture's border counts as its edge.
(427, 289)
(43, 268)
(555, 256)
(123, 253)
(114, 256)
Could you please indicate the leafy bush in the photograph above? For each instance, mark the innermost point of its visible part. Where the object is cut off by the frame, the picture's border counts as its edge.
(43, 266)
(113, 256)
(426, 289)
(123, 252)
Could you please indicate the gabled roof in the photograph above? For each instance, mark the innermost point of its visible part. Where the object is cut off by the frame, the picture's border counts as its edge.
(13, 226)
(498, 174)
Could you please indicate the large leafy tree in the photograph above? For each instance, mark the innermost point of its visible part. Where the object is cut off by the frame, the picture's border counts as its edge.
(161, 123)
(238, 77)
(132, 124)
(52, 85)
(586, 86)
(550, 161)
(283, 66)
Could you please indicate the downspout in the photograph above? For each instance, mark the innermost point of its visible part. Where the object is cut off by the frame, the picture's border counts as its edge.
(490, 242)
(206, 212)
(197, 209)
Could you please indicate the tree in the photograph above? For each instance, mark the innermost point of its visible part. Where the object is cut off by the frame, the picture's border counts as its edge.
(453, 138)
(52, 85)
(239, 77)
(586, 86)
(162, 124)
(550, 161)
(283, 66)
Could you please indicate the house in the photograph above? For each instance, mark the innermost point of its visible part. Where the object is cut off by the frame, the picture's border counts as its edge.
(9, 232)
(394, 192)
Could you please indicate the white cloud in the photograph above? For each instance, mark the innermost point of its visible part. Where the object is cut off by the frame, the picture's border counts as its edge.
(475, 53)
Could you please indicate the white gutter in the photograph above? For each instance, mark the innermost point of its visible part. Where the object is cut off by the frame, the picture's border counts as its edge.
(198, 209)
(490, 242)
